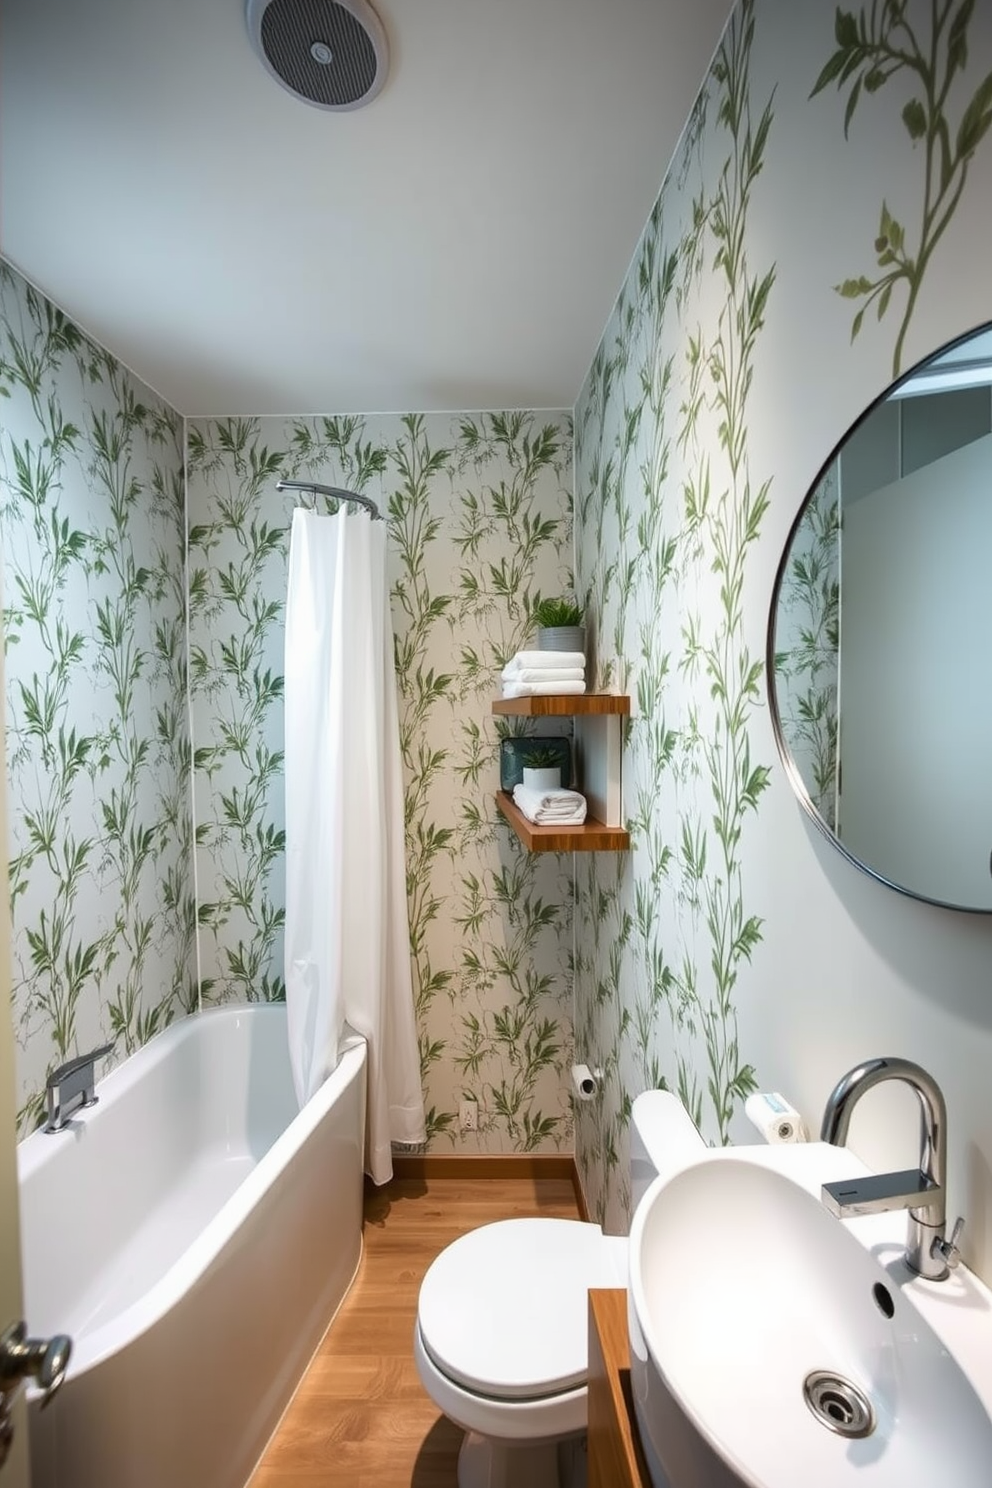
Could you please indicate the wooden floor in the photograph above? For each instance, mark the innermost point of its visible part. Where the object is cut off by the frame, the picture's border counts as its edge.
(361, 1418)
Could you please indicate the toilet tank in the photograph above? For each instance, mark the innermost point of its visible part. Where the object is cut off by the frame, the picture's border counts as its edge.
(663, 1137)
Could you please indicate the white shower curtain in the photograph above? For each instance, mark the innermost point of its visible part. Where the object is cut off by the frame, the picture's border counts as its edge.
(347, 933)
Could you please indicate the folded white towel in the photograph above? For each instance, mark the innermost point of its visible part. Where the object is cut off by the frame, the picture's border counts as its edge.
(553, 659)
(536, 689)
(542, 819)
(558, 796)
(563, 808)
(544, 674)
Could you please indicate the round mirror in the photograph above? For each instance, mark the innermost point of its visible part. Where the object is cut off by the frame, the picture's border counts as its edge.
(880, 636)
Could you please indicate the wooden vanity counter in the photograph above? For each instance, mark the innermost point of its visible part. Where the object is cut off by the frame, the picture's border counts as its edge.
(615, 1456)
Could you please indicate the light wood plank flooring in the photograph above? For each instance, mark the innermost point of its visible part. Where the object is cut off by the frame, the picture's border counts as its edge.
(361, 1418)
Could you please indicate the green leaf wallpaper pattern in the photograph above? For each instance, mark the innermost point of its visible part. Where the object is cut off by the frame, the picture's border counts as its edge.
(92, 512)
(237, 574)
(479, 526)
(945, 121)
(106, 924)
(668, 513)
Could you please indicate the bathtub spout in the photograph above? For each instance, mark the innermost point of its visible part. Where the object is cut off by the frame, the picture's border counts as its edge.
(72, 1085)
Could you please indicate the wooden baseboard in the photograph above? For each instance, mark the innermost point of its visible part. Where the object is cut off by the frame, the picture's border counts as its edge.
(551, 1165)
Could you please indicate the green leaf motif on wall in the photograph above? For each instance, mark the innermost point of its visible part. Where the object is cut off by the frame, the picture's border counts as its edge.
(512, 1043)
(669, 519)
(97, 741)
(237, 555)
(484, 497)
(722, 527)
(414, 527)
(873, 46)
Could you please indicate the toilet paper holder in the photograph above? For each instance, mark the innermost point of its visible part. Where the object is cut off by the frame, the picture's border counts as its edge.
(586, 1082)
(773, 1116)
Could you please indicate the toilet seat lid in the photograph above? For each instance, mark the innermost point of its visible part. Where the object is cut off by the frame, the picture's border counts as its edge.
(503, 1310)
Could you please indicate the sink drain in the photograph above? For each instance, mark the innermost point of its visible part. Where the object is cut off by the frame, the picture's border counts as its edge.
(838, 1404)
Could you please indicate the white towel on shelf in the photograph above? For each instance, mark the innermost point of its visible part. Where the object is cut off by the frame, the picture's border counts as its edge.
(544, 674)
(538, 689)
(562, 808)
(552, 659)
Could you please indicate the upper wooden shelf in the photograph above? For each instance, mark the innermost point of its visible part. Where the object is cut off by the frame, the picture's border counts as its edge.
(563, 705)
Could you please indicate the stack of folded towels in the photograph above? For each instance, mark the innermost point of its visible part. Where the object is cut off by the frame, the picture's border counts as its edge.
(533, 672)
(557, 808)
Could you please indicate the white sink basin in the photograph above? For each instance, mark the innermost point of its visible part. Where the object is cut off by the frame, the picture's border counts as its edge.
(742, 1288)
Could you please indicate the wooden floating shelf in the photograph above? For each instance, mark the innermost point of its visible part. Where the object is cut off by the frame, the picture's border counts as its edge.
(591, 836)
(564, 705)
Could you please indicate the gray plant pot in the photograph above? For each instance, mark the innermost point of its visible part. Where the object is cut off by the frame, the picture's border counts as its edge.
(561, 638)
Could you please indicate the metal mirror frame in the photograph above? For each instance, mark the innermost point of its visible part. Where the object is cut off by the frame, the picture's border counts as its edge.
(796, 780)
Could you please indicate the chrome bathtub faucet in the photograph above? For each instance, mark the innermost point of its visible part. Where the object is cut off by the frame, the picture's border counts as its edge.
(921, 1191)
(71, 1086)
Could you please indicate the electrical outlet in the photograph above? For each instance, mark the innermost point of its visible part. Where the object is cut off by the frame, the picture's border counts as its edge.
(468, 1116)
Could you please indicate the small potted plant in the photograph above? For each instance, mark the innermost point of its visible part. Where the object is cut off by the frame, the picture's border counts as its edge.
(542, 768)
(559, 625)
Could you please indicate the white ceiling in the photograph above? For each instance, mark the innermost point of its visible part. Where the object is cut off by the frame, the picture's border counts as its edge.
(458, 243)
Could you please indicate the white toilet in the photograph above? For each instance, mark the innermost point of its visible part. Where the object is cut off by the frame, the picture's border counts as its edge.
(502, 1323)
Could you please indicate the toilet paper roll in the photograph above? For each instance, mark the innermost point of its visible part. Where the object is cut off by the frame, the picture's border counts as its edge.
(774, 1118)
(585, 1082)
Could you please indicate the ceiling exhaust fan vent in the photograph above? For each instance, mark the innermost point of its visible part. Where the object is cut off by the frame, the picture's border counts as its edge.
(331, 53)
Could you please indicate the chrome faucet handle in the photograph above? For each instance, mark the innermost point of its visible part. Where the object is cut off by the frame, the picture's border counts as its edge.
(949, 1251)
(78, 1065)
(923, 1194)
(71, 1086)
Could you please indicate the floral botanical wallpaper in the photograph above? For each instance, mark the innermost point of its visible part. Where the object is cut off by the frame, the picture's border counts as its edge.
(110, 941)
(663, 940)
(729, 369)
(92, 526)
(478, 507)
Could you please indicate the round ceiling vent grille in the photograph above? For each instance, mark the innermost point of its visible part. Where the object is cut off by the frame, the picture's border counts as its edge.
(331, 53)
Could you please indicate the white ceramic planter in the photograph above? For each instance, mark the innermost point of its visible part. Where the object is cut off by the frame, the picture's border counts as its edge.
(546, 779)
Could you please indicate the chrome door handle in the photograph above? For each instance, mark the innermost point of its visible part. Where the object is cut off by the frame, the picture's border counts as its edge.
(44, 1360)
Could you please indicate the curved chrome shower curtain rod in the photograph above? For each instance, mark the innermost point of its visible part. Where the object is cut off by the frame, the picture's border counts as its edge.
(336, 491)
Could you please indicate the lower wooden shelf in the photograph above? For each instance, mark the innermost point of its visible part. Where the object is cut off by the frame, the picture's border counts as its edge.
(591, 836)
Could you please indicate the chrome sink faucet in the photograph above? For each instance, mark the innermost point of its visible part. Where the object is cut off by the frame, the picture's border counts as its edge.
(921, 1191)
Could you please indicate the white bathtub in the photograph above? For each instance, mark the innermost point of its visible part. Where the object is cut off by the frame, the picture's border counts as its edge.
(194, 1234)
